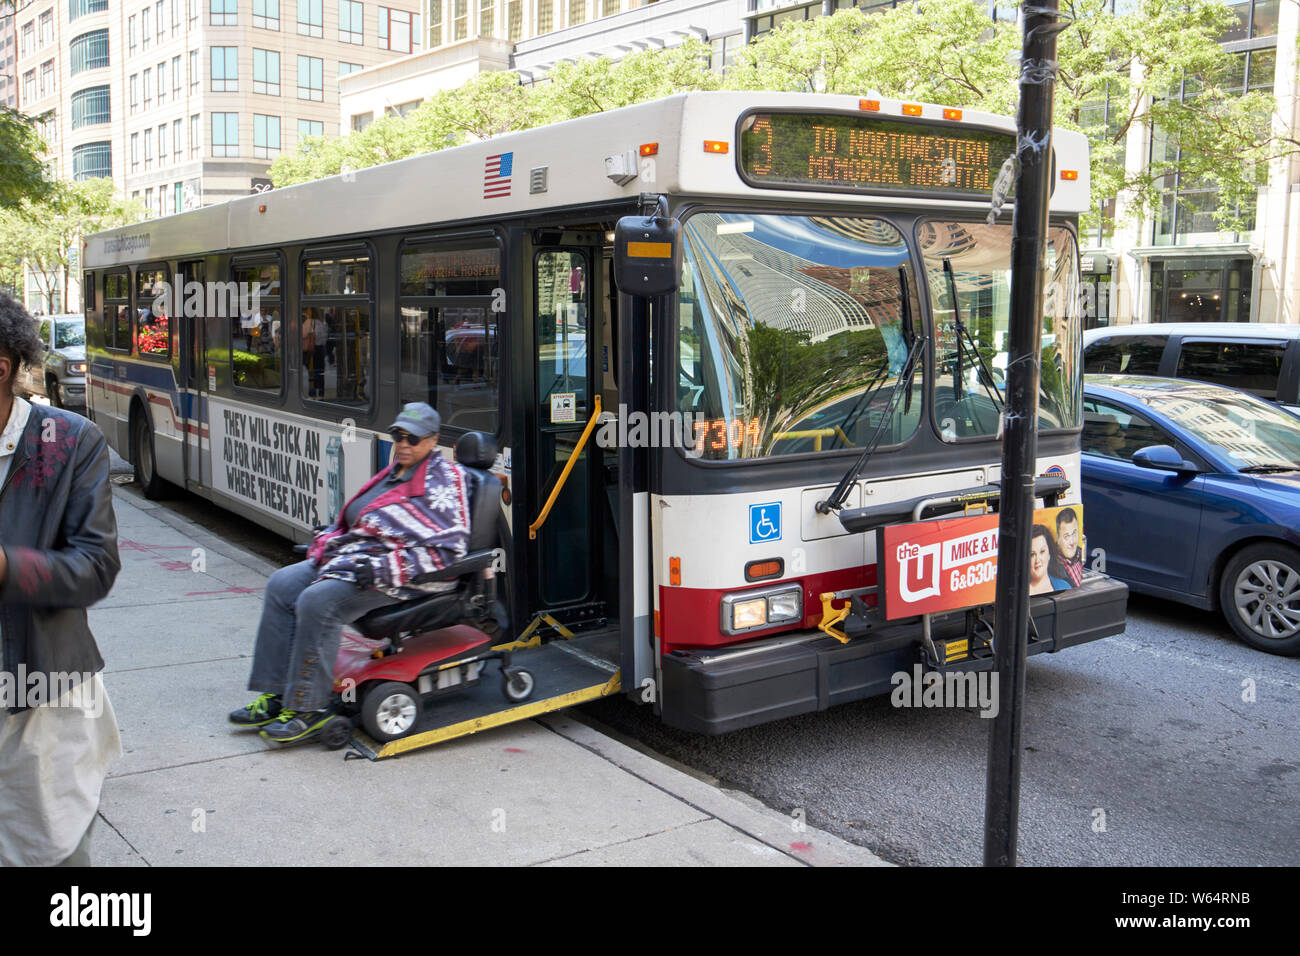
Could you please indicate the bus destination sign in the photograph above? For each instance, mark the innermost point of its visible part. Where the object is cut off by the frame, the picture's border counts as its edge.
(863, 152)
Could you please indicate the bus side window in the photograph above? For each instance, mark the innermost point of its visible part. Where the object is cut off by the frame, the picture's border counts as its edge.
(448, 332)
(117, 311)
(256, 327)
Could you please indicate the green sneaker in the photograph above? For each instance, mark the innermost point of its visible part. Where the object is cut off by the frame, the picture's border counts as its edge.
(259, 713)
(291, 726)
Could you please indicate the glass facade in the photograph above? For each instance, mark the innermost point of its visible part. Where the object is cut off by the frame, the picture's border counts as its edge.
(1187, 206)
(1256, 18)
(90, 107)
(92, 161)
(89, 51)
(79, 8)
(1201, 290)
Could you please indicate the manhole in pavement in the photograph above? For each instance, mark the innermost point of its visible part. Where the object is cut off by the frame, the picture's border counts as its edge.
(122, 479)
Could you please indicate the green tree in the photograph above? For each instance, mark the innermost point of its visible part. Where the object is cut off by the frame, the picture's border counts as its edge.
(47, 233)
(22, 173)
(947, 52)
(596, 84)
(488, 104)
(496, 102)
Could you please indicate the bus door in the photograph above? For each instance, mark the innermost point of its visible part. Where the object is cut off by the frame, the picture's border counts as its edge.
(568, 552)
(193, 379)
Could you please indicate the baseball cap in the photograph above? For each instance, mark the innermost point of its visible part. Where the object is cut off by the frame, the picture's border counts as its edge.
(418, 418)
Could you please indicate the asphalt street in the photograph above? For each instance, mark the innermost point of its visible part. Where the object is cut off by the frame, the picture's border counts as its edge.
(1139, 750)
(1145, 734)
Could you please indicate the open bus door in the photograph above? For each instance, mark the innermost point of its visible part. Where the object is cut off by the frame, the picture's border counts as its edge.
(572, 519)
(564, 494)
(581, 524)
(193, 382)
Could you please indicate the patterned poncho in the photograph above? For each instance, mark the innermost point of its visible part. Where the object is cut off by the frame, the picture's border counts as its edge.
(420, 526)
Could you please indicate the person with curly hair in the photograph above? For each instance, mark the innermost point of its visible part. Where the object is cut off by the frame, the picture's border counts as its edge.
(58, 556)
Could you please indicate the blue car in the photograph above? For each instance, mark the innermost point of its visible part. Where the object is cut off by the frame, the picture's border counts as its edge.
(1192, 491)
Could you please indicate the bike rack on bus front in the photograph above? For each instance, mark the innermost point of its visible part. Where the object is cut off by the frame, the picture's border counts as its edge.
(863, 520)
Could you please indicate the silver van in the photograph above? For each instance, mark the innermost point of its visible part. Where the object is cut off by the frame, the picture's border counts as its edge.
(1263, 359)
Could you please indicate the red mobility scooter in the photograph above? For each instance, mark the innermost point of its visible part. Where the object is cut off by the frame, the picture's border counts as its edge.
(434, 645)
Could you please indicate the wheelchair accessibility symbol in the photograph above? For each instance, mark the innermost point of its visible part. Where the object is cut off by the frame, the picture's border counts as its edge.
(765, 523)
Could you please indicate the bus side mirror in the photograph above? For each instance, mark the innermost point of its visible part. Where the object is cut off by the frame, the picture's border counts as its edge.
(647, 255)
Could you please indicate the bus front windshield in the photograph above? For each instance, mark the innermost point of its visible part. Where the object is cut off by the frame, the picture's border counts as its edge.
(974, 261)
(792, 333)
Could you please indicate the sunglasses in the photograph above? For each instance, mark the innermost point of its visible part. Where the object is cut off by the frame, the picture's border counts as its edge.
(400, 436)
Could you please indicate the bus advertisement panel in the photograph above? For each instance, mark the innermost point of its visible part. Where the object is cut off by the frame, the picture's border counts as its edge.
(296, 469)
(951, 563)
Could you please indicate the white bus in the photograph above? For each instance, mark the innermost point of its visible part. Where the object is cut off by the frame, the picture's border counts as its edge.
(809, 254)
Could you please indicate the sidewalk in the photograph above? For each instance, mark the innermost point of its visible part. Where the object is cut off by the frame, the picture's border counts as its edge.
(191, 790)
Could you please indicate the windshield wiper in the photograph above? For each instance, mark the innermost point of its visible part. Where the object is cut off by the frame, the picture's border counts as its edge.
(985, 375)
(837, 498)
(1267, 469)
(877, 374)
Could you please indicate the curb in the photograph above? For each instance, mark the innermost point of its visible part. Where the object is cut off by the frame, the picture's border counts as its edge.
(808, 845)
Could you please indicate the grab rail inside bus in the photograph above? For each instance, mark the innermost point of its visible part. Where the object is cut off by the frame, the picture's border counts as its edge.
(568, 467)
(816, 434)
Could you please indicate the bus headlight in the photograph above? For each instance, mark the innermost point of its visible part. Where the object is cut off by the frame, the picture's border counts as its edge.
(746, 614)
(769, 607)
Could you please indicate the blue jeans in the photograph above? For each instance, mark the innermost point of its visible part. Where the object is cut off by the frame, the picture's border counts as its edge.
(298, 636)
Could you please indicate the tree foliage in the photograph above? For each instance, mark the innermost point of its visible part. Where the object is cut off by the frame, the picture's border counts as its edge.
(22, 173)
(1159, 65)
(496, 102)
(48, 232)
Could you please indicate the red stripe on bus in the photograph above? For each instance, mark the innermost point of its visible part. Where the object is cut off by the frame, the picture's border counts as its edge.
(201, 430)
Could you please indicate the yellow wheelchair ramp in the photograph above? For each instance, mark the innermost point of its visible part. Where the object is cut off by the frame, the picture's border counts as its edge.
(564, 673)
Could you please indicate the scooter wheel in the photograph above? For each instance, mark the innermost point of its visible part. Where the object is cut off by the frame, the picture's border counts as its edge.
(391, 710)
(337, 733)
(517, 684)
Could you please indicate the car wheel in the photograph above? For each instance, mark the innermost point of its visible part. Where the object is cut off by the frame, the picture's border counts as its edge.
(1259, 595)
(143, 460)
(52, 392)
(391, 710)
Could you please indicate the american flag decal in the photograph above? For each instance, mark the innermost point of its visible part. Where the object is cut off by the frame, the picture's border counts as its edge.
(496, 175)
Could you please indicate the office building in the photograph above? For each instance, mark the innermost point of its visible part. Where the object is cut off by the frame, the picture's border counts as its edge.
(184, 103)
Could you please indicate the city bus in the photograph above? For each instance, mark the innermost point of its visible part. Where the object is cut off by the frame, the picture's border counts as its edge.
(721, 341)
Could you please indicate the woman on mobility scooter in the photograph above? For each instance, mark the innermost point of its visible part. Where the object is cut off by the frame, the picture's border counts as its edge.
(410, 520)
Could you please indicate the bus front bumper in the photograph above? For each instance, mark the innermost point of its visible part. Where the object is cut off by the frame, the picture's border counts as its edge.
(715, 692)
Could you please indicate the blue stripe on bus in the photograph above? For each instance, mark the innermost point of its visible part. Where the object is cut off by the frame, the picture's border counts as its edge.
(161, 378)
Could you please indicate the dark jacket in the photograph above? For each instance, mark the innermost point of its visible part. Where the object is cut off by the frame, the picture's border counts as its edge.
(59, 536)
